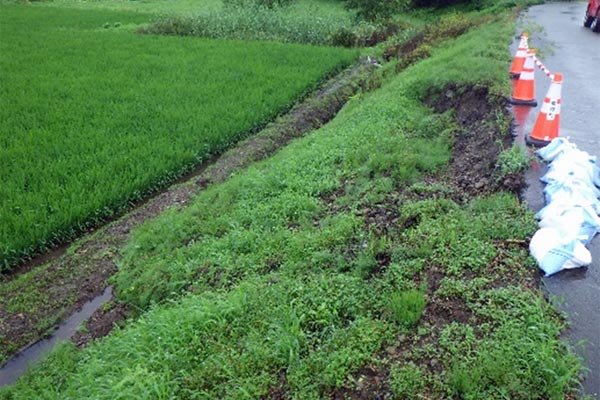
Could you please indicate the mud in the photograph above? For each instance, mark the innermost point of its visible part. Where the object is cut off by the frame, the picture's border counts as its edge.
(279, 391)
(478, 143)
(101, 323)
(76, 277)
(403, 49)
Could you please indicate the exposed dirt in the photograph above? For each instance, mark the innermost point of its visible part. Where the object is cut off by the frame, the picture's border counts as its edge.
(369, 383)
(280, 390)
(380, 35)
(477, 144)
(501, 262)
(72, 279)
(382, 218)
(101, 323)
(402, 49)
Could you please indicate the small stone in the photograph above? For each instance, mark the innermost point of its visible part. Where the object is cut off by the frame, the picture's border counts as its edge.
(361, 383)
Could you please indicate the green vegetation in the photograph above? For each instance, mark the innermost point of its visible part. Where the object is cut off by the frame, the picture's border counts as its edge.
(405, 308)
(513, 161)
(295, 23)
(94, 118)
(253, 23)
(294, 275)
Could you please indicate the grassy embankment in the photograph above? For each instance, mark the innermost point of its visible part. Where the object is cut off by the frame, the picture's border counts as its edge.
(93, 118)
(332, 268)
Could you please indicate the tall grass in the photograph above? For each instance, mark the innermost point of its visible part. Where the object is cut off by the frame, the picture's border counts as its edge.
(92, 118)
(255, 22)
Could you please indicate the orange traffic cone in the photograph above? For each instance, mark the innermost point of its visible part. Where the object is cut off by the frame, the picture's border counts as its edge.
(547, 124)
(524, 90)
(517, 65)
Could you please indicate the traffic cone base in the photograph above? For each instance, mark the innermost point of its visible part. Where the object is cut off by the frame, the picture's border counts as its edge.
(544, 130)
(536, 142)
(519, 102)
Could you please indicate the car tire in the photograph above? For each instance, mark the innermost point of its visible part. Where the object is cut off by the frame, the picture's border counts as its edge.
(595, 26)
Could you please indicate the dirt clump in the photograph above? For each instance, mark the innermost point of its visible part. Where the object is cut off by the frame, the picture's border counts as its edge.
(101, 323)
(280, 390)
(369, 383)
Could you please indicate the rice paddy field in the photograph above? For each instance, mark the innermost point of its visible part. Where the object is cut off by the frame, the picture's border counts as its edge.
(94, 116)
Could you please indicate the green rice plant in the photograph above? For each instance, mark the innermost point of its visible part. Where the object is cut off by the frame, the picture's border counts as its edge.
(93, 119)
(260, 3)
(148, 7)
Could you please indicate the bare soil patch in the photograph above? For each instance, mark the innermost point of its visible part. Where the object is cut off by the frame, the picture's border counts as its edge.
(370, 383)
(101, 323)
(477, 144)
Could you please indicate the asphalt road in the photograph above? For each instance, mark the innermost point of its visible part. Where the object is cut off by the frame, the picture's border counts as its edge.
(574, 51)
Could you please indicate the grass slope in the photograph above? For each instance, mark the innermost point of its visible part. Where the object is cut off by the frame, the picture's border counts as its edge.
(286, 291)
(94, 118)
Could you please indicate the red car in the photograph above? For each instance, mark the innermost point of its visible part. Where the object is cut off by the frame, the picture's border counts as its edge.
(592, 16)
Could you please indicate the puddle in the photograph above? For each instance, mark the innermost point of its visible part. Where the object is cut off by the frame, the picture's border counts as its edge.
(19, 364)
(521, 117)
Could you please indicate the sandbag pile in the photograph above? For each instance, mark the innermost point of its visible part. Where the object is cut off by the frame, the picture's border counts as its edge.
(570, 219)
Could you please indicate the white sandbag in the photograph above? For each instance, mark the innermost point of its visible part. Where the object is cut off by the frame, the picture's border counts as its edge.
(555, 148)
(570, 218)
(572, 164)
(572, 192)
(553, 255)
(574, 223)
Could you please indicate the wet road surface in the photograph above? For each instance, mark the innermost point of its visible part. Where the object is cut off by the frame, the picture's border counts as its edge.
(567, 47)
